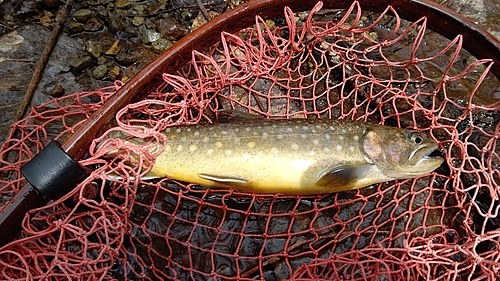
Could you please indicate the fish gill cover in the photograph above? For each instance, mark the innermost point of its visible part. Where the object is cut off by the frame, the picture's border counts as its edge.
(323, 64)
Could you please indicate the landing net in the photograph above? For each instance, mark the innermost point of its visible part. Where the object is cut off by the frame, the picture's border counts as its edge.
(322, 64)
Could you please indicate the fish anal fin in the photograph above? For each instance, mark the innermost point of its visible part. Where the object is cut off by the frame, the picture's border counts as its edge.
(225, 180)
(344, 176)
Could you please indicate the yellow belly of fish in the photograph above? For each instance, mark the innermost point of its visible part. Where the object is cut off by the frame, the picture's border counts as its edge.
(251, 173)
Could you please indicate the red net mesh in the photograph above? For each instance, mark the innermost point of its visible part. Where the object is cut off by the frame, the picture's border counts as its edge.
(322, 64)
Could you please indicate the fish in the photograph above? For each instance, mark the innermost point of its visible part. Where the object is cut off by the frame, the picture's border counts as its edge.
(293, 156)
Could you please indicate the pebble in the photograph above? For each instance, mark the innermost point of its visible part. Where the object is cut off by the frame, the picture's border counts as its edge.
(123, 4)
(93, 25)
(115, 25)
(75, 27)
(82, 15)
(100, 72)
(125, 59)
(114, 72)
(114, 49)
(160, 45)
(137, 21)
(102, 14)
(80, 63)
(94, 49)
(57, 91)
(148, 35)
(171, 30)
(51, 3)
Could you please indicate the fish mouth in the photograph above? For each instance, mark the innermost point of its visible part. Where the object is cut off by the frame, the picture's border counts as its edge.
(427, 156)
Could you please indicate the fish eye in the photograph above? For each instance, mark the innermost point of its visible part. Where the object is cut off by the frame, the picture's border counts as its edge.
(416, 138)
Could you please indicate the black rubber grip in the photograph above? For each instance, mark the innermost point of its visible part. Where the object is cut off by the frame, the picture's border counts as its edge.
(53, 172)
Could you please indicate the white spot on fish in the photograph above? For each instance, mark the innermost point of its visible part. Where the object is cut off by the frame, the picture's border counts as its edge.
(305, 128)
(341, 137)
(327, 137)
(355, 138)
(303, 136)
(179, 148)
(189, 129)
(183, 139)
(274, 126)
(312, 153)
(315, 142)
(332, 128)
(223, 132)
(279, 136)
(255, 133)
(338, 147)
(205, 139)
(351, 148)
(289, 129)
(344, 131)
(326, 149)
(196, 133)
(251, 144)
(167, 147)
(265, 135)
(178, 130)
(246, 156)
(295, 146)
(236, 129)
(228, 152)
(192, 148)
(210, 151)
(218, 144)
(248, 129)
(274, 150)
(167, 130)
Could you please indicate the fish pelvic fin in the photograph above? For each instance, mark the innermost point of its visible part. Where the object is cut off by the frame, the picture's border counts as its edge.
(226, 180)
(344, 176)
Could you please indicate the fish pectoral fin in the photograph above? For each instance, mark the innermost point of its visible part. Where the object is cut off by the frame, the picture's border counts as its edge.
(225, 180)
(345, 175)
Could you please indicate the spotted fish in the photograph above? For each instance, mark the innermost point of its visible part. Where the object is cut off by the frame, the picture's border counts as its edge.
(299, 156)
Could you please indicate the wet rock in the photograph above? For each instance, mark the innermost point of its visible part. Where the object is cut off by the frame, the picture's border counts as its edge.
(94, 49)
(102, 14)
(115, 25)
(137, 21)
(100, 72)
(171, 30)
(75, 27)
(82, 15)
(51, 3)
(125, 59)
(186, 15)
(57, 91)
(201, 20)
(123, 4)
(148, 35)
(114, 72)
(160, 45)
(93, 25)
(114, 49)
(80, 63)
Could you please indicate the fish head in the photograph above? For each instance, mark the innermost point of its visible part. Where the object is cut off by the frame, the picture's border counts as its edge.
(400, 153)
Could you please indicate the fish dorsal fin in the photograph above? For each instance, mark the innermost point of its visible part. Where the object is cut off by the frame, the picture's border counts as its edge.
(225, 180)
(345, 175)
(233, 116)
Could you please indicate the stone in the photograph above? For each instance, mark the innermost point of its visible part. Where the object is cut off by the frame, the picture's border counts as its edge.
(82, 15)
